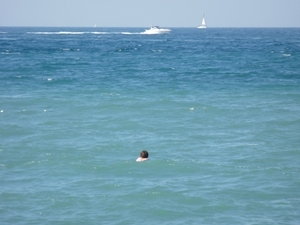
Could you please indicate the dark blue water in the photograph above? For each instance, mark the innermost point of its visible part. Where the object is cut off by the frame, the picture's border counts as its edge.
(217, 109)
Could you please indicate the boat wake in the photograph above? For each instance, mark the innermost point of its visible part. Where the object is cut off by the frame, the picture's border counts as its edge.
(81, 33)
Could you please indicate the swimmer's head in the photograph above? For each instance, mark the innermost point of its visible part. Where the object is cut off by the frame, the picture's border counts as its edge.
(144, 154)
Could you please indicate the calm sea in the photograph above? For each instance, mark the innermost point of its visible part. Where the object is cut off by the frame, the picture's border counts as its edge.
(218, 110)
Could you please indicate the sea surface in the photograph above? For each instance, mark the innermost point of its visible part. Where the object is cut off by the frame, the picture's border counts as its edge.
(217, 109)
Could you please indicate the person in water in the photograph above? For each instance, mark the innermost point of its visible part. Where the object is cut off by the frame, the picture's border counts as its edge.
(143, 156)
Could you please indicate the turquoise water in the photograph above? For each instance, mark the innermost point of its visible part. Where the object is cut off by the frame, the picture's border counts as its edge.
(218, 111)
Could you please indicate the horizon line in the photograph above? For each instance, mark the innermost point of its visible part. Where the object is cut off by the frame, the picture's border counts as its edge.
(52, 26)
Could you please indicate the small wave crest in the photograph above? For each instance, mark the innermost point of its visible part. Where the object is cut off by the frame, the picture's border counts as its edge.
(7, 52)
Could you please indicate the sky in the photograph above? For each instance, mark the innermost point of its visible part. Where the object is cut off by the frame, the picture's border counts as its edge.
(143, 13)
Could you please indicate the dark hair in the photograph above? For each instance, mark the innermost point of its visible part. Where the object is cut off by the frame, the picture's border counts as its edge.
(144, 154)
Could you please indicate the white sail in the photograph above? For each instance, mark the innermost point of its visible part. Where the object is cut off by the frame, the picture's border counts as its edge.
(203, 24)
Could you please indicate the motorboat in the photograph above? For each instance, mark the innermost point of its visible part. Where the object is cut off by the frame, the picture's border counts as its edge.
(156, 30)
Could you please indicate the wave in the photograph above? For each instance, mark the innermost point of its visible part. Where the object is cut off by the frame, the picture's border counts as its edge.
(10, 53)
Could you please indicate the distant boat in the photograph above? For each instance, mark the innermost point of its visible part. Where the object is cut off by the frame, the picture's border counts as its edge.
(156, 30)
(203, 24)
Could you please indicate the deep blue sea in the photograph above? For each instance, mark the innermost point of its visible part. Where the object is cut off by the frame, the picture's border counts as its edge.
(217, 109)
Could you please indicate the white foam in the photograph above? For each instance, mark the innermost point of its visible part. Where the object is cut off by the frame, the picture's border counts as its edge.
(100, 32)
(80, 33)
(59, 32)
(28, 163)
(129, 33)
(71, 32)
(10, 53)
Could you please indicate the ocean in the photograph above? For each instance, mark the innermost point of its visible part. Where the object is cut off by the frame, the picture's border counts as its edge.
(217, 109)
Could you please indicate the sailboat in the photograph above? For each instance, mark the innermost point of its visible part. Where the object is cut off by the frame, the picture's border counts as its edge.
(203, 24)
